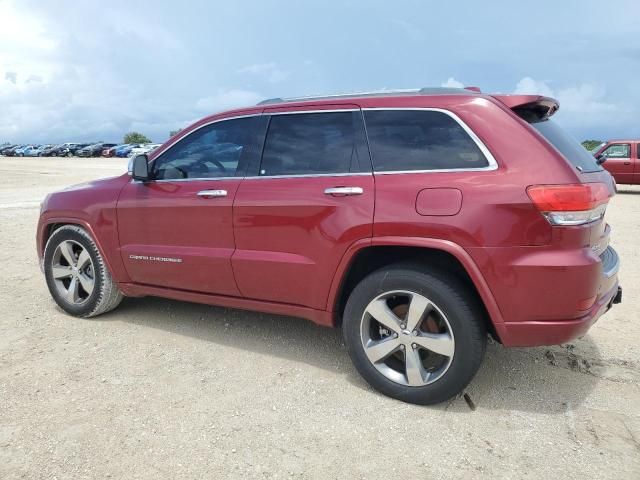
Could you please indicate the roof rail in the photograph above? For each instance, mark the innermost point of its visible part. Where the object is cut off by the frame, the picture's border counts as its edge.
(376, 93)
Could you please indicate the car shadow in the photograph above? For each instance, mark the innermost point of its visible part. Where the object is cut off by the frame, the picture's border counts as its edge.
(546, 380)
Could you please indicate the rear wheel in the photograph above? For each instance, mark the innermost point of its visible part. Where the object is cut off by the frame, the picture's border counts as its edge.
(76, 274)
(416, 336)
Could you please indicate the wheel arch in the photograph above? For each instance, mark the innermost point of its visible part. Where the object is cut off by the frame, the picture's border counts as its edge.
(366, 256)
(53, 224)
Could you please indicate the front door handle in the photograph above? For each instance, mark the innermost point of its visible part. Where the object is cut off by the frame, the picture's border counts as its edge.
(212, 193)
(344, 191)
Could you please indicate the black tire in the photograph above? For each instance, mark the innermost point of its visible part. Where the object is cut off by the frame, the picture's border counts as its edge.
(105, 295)
(463, 313)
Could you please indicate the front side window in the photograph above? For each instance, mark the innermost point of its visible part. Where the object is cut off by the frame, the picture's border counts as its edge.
(314, 143)
(618, 150)
(406, 140)
(221, 149)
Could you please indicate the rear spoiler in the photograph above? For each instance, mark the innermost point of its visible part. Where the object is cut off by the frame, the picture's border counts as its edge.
(530, 107)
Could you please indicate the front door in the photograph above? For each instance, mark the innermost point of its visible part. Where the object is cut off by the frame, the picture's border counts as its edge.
(618, 162)
(176, 230)
(311, 197)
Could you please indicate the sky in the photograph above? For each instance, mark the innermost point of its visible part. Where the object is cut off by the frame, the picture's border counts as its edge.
(94, 70)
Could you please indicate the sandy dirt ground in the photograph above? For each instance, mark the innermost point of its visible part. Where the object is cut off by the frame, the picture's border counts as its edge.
(163, 389)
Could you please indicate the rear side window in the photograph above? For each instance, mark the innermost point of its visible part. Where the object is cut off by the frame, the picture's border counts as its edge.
(565, 144)
(402, 140)
(314, 143)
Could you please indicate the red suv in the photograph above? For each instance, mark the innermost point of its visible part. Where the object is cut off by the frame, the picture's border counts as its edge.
(417, 222)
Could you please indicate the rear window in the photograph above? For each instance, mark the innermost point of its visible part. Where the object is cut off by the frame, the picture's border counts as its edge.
(567, 146)
(410, 140)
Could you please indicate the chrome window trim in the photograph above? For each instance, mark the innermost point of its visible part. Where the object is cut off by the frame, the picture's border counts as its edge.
(493, 164)
(309, 175)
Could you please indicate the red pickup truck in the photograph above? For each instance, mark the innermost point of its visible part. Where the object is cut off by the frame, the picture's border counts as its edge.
(621, 158)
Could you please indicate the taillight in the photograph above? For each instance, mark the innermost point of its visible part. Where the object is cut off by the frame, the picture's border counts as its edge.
(572, 204)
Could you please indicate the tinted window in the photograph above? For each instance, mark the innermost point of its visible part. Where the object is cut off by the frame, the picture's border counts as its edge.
(617, 150)
(314, 143)
(419, 140)
(566, 145)
(222, 149)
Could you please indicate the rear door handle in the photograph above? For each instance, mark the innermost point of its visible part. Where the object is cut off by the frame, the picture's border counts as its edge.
(212, 193)
(344, 191)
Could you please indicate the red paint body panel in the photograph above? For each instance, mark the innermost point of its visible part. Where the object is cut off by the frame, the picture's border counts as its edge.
(169, 220)
(624, 170)
(92, 205)
(439, 201)
(290, 235)
(281, 245)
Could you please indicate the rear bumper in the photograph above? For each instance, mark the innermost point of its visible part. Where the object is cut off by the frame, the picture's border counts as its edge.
(549, 296)
(555, 332)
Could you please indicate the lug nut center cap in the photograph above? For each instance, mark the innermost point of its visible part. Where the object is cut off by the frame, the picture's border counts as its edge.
(406, 332)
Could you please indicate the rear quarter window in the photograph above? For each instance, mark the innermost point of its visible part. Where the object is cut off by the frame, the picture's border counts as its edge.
(569, 147)
(412, 140)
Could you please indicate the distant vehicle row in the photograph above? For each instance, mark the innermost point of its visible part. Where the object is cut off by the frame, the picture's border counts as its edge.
(78, 149)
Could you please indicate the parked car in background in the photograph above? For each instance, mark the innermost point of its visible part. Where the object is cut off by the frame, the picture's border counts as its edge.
(11, 152)
(6, 148)
(48, 150)
(125, 150)
(488, 218)
(19, 152)
(69, 149)
(111, 151)
(94, 150)
(621, 158)
(36, 151)
(145, 148)
(31, 151)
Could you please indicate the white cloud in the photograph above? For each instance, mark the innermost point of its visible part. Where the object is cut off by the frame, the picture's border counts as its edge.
(269, 71)
(582, 105)
(227, 99)
(529, 86)
(452, 83)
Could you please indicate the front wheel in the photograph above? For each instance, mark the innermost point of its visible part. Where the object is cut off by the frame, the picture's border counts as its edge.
(76, 274)
(413, 335)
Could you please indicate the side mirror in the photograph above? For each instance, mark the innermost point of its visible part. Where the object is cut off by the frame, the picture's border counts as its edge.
(139, 168)
(600, 159)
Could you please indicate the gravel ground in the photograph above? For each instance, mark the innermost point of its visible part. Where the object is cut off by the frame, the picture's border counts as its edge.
(163, 389)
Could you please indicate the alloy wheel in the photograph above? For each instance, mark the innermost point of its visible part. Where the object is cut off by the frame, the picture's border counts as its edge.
(73, 272)
(407, 338)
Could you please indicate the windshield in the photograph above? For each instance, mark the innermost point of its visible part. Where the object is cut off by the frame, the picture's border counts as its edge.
(567, 146)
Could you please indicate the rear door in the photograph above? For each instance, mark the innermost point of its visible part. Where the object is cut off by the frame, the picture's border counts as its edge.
(619, 162)
(176, 230)
(310, 198)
